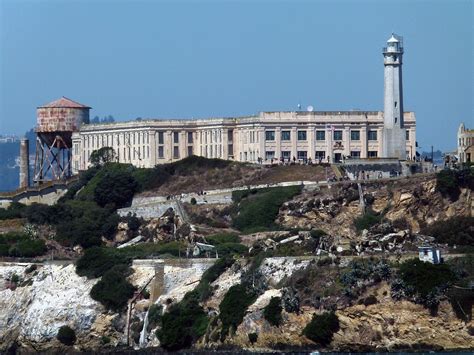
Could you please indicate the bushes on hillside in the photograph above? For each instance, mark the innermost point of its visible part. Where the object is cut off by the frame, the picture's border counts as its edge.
(257, 209)
(449, 182)
(422, 282)
(458, 230)
(96, 261)
(117, 187)
(15, 210)
(233, 307)
(360, 271)
(86, 224)
(183, 324)
(204, 290)
(66, 335)
(272, 312)
(321, 328)
(113, 290)
(20, 245)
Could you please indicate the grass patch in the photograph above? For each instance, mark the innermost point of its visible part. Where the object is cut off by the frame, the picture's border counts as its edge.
(366, 221)
(257, 209)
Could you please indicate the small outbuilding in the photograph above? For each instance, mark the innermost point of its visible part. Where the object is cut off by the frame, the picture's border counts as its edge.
(430, 255)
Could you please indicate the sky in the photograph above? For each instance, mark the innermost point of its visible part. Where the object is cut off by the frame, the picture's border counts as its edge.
(194, 59)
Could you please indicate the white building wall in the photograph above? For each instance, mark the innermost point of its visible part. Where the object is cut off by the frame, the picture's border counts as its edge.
(138, 142)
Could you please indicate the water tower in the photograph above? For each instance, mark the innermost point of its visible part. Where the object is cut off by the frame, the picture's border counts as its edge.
(56, 122)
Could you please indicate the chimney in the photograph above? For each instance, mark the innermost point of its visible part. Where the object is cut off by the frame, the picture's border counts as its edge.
(24, 163)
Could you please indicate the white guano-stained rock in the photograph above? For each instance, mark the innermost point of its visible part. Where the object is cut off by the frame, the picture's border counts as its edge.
(54, 296)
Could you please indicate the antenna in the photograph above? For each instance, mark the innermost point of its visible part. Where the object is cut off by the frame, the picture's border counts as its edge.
(310, 108)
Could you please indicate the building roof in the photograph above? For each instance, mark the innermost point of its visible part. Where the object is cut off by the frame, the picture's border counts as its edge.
(64, 102)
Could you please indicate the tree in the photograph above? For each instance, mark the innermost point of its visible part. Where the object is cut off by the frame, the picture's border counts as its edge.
(117, 187)
(102, 156)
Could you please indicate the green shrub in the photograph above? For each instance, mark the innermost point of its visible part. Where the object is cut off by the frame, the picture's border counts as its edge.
(113, 290)
(449, 182)
(183, 324)
(203, 289)
(85, 224)
(458, 230)
(272, 312)
(15, 210)
(104, 339)
(423, 278)
(366, 221)
(233, 307)
(154, 316)
(220, 238)
(253, 337)
(321, 328)
(66, 335)
(229, 249)
(16, 244)
(258, 209)
(117, 187)
(193, 201)
(96, 261)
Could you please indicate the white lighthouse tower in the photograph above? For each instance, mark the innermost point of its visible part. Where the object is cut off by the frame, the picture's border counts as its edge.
(394, 145)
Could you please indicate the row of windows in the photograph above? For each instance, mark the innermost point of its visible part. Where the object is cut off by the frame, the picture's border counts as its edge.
(319, 154)
(320, 135)
(161, 151)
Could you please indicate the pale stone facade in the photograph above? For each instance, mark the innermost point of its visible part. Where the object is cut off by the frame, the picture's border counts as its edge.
(325, 136)
(465, 144)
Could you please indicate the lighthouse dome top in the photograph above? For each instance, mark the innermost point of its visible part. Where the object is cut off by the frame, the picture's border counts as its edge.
(393, 39)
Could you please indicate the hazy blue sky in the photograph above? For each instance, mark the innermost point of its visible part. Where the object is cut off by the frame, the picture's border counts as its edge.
(223, 58)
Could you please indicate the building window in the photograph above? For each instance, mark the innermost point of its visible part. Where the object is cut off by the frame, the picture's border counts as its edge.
(286, 154)
(176, 152)
(176, 137)
(301, 135)
(372, 154)
(230, 135)
(372, 135)
(337, 135)
(269, 135)
(355, 135)
(190, 150)
(230, 150)
(190, 137)
(320, 154)
(285, 135)
(269, 155)
(302, 154)
(320, 135)
(161, 138)
(161, 152)
(355, 154)
(407, 135)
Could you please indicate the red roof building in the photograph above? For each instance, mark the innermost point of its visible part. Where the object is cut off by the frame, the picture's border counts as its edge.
(64, 102)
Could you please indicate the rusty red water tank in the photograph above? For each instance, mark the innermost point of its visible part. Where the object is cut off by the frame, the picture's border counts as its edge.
(62, 115)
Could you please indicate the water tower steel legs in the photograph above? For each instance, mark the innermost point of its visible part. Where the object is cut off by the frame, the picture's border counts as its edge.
(53, 161)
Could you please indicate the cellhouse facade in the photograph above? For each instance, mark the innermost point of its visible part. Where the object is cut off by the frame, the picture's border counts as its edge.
(327, 136)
